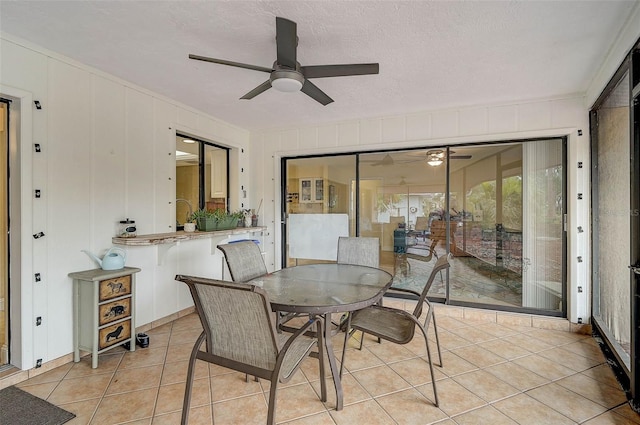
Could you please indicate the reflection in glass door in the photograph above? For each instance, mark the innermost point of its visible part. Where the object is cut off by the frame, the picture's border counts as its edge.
(319, 205)
(508, 239)
(498, 209)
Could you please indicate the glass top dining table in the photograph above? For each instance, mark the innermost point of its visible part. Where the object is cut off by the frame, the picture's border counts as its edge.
(323, 289)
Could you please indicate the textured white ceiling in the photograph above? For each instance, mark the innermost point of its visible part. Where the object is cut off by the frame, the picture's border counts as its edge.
(432, 55)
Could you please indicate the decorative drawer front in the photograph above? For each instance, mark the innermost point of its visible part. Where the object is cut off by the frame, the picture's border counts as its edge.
(114, 334)
(116, 287)
(114, 310)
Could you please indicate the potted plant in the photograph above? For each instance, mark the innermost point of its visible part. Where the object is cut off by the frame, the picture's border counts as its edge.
(205, 220)
(225, 220)
(239, 215)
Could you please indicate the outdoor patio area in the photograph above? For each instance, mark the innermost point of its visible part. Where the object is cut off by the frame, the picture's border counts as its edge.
(495, 371)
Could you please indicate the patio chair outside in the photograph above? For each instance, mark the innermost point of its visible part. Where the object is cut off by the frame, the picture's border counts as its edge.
(240, 334)
(397, 325)
(244, 260)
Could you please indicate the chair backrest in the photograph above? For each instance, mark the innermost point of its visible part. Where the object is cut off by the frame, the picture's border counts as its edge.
(441, 264)
(237, 321)
(361, 251)
(244, 260)
(422, 223)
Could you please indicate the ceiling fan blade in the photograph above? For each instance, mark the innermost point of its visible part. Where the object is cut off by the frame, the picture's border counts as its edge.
(230, 63)
(321, 71)
(314, 92)
(261, 88)
(460, 156)
(286, 42)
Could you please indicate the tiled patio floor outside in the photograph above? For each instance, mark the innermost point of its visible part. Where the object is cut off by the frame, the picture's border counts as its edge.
(493, 374)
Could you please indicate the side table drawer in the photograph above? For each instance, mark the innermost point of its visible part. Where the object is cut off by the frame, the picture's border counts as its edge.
(115, 287)
(114, 310)
(114, 334)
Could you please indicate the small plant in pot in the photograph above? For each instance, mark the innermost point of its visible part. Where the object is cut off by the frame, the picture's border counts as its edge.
(205, 220)
(225, 220)
(239, 216)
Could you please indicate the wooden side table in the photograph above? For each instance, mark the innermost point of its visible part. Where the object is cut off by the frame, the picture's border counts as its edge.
(103, 311)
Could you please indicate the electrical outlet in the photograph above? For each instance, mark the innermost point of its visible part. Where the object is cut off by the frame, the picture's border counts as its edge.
(38, 363)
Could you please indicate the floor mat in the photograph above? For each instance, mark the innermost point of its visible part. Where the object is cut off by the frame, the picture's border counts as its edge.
(21, 408)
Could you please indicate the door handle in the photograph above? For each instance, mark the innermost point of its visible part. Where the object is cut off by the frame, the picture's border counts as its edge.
(635, 269)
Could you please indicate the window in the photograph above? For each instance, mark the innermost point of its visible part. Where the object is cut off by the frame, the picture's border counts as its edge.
(202, 170)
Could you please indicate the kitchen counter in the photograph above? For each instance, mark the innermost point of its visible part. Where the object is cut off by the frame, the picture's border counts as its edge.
(172, 237)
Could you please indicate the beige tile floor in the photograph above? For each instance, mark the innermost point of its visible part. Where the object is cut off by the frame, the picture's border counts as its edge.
(492, 374)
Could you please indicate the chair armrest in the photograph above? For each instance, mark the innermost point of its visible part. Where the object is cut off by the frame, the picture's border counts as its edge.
(299, 332)
(408, 291)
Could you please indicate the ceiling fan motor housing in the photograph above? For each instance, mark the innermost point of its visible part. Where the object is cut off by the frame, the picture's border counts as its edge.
(286, 80)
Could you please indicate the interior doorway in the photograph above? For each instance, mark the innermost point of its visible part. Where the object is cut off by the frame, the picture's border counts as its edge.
(4, 233)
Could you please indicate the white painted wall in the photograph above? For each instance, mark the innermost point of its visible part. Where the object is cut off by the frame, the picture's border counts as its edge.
(523, 120)
(107, 154)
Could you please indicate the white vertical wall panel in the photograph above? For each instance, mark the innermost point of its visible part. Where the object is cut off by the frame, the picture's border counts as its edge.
(290, 140)
(348, 133)
(444, 124)
(418, 126)
(107, 162)
(31, 74)
(393, 129)
(187, 118)
(327, 136)
(370, 131)
(502, 119)
(567, 112)
(534, 116)
(473, 121)
(139, 171)
(308, 138)
(164, 288)
(69, 196)
(164, 145)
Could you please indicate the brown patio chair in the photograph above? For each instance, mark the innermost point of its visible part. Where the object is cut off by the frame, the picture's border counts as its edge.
(240, 334)
(361, 251)
(244, 260)
(397, 325)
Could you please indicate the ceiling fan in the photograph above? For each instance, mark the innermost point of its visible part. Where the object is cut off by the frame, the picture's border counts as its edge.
(287, 74)
(436, 157)
(433, 158)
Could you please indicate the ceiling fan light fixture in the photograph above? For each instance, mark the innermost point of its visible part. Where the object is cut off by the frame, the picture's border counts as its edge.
(434, 161)
(287, 81)
(435, 158)
(287, 85)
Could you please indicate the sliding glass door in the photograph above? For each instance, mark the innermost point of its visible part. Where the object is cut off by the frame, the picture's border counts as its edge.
(498, 209)
(508, 238)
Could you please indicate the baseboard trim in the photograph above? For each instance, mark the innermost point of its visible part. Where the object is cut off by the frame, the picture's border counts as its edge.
(14, 375)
